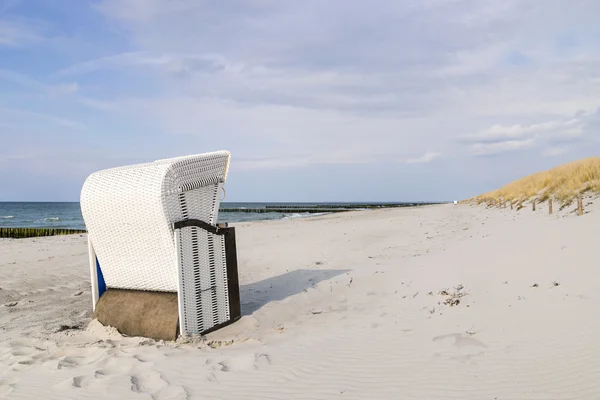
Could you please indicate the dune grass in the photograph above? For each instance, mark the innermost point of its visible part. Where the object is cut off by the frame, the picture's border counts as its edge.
(561, 183)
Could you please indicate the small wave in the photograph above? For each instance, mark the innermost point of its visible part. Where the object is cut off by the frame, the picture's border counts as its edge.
(7, 216)
(303, 215)
(290, 216)
(52, 219)
(318, 214)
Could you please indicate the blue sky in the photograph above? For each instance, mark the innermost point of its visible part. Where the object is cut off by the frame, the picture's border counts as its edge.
(316, 100)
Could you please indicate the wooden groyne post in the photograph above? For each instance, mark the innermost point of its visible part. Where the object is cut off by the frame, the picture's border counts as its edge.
(23, 233)
(533, 205)
(579, 204)
(550, 205)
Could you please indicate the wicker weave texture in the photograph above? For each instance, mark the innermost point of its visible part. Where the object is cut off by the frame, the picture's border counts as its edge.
(129, 214)
(204, 280)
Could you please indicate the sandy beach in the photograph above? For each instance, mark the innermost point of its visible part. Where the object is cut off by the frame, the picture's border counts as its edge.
(436, 302)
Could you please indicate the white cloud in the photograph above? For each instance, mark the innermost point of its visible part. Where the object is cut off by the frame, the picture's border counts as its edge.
(17, 33)
(498, 133)
(554, 151)
(145, 10)
(281, 53)
(424, 159)
(30, 83)
(294, 135)
(72, 87)
(486, 149)
(290, 83)
(507, 138)
(165, 62)
(300, 84)
(20, 79)
(118, 60)
(569, 134)
(274, 162)
(27, 116)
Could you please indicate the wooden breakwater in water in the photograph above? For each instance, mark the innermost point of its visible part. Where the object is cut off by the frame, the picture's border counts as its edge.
(22, 233)
(345, 206)
(325, 208)
(283, 210)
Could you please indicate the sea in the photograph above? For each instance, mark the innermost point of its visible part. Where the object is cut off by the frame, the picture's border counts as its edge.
(68, 215)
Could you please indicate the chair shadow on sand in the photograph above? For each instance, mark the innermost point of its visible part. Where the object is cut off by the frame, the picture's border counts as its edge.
(258, 294)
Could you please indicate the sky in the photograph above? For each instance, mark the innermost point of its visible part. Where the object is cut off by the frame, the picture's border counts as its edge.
(428, 100)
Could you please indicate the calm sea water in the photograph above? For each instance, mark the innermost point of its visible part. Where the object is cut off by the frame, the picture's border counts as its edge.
(68, 215)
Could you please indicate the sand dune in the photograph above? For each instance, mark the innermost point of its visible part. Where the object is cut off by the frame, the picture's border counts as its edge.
(562, 183)
(440, 302)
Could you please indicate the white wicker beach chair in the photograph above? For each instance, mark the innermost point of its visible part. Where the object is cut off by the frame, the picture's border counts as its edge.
(152, 227)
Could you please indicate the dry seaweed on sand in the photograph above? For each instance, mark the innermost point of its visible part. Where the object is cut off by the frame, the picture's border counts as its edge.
(453, 298)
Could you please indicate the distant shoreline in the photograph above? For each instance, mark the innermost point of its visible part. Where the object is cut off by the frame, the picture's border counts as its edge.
(67, 215)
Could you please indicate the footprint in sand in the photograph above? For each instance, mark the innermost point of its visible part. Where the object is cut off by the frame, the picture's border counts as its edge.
(68, 362)
(262, 360)
(21, 355)
(7, 385)
(117, 370)
(244, 362)
(82, 381)
(172, 392)
(22, 364)
(71, 358)
(149, 382)
(21, 343)
(77, 382)
(155, 385)
(23, 351)
(211, 377)
(141, 377)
